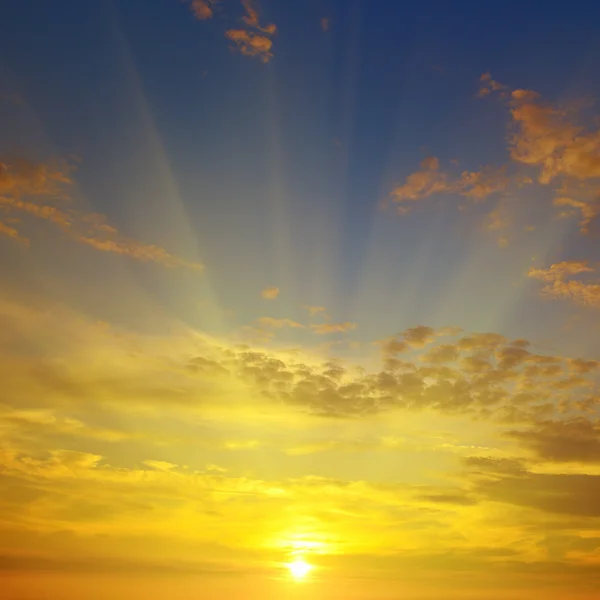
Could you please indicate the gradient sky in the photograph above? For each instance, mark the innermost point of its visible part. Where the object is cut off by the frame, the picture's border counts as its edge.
(305, 281)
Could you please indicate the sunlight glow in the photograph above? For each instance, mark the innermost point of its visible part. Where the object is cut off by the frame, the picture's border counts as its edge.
(299, 569)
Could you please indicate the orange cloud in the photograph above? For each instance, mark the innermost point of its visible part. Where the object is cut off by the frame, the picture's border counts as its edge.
(421, 184)
(270, 293)
(11, 232)
(560, 284)
(325, 328)
(248, 42)
(31, 189)
(476, 185)
(562, 270)
(203, 9)
(548, 137)
(489, 85)
(22, 177)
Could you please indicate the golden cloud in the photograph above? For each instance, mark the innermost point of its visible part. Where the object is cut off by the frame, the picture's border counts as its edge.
(66, 468)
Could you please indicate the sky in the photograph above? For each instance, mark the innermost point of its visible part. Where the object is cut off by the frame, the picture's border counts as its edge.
(299, 300)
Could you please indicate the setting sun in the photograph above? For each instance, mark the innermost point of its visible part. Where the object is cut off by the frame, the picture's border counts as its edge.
(299, 569)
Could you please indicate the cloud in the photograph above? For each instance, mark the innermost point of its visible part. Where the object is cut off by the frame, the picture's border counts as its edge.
(85, 473)
(203, 9)
(325, 24)
(326, 328)
(489, 85)
(251, 44)
(550, 140)
(422, 184)
(248, 42)
(314, 311)
(430, 180)
(575, 440)
(589, 211)
(270, 293)
(40, 191)
(279, 323)
(561, 285)
(563, 494)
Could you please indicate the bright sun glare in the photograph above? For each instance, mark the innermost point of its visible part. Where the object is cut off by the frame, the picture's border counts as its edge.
(299, 569)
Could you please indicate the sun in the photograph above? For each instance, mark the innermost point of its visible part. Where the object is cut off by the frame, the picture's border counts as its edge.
(299, 569)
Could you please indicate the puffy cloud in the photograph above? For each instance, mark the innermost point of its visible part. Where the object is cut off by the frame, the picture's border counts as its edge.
(422, 184)
(547, 137)
(41, 191)
(248, 42)
(270, 293)
(251, 44)
(135, 477)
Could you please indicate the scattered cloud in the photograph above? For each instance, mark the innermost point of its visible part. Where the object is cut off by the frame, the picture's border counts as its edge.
(136, 466)
(41, 191)
(270, 293)
(550, 141)
(489, 85)
(247, 41)
(560, 283)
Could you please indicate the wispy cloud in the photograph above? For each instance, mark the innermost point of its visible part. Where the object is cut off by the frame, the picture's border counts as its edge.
(41, 191)
(270, 293)
(326, 328)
